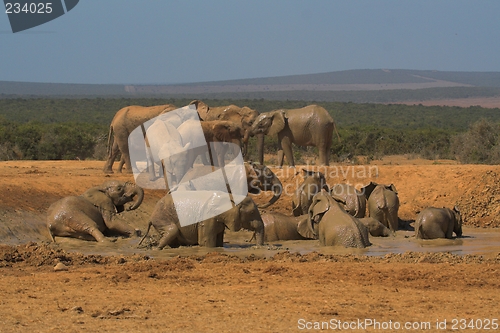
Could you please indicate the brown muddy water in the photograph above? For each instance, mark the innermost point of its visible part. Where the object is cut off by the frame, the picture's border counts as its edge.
(23, 227)
(484, 242)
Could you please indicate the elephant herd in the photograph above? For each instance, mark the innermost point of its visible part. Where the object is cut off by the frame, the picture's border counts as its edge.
(196, 213)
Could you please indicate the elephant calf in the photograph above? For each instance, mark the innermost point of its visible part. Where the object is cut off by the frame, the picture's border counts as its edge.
(375, 227)
(88, 216)
(383, 204)
(313, 182)
(282, 227)
(332, 225)
(438, 223)
(353, 200)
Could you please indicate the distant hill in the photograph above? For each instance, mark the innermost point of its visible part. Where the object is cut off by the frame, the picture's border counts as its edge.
(367, 85)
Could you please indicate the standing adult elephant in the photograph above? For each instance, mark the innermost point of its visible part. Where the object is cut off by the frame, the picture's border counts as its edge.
(94, 212)
(383, 204)
(123, 123)
(435, 222)
(332, 225)
(307, 126)
(244, 116)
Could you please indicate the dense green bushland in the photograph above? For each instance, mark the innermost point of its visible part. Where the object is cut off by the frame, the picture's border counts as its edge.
(47, 128)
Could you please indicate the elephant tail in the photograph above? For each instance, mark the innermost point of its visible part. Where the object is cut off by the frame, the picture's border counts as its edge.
(146, 234)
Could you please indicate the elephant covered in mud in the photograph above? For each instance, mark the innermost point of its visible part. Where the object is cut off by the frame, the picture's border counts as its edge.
(257, 177)
(435, 222)
(278, 226)
(309, 126)
(383, 204)
(332, 225)
(174, 209)
(94, 212)
(375, 227)
(353, 200)
(123, 123)
(243, 116)
(313, 182)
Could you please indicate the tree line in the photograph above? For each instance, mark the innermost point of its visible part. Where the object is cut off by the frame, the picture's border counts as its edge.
(52, 129)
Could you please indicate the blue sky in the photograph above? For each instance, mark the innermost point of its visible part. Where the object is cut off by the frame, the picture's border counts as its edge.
(160, 41)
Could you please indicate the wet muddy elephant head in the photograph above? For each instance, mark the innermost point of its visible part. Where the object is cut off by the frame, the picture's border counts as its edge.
(332, 225)
(383, 204)
(95, 212)
(313, 182)
(435, 222)
(308, 126)
(175, 215)
(353, 200)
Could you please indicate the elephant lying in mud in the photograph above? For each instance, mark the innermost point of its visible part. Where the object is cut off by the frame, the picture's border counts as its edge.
(383, 204)
(313, 182)
(278, 226)
(179, 206)
(332, 225)
(434, 223)
(94, 212)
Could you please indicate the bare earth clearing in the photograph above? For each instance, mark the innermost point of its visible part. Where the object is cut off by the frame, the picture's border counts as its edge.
(282, 287)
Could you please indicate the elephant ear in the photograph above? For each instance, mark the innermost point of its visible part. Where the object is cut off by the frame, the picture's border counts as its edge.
(392, 188)
(368, 189)
(201, 107)
(278, 122)
(305, 228)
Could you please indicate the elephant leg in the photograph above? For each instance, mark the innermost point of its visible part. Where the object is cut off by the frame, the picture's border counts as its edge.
(108, 166)
(168, 235)
(120, 164)
(220, 239)
(79, 226)
(286, 147)
(324, 154)
(122, 228)
(258, 228)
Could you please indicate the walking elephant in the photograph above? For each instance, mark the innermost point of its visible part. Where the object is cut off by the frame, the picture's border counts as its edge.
(313, 182)
(353, 200)
(243, 116)
(94, 212)
(383, 204)
(123, 123)
(332, 225)
(176, 207)
(308, 126)
(278, 226)
(435, 222)
(256, 177)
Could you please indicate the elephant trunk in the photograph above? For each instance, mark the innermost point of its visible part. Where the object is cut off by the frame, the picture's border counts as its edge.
(277, 189)
(137, 191)
(245, 139)
(260, 147)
